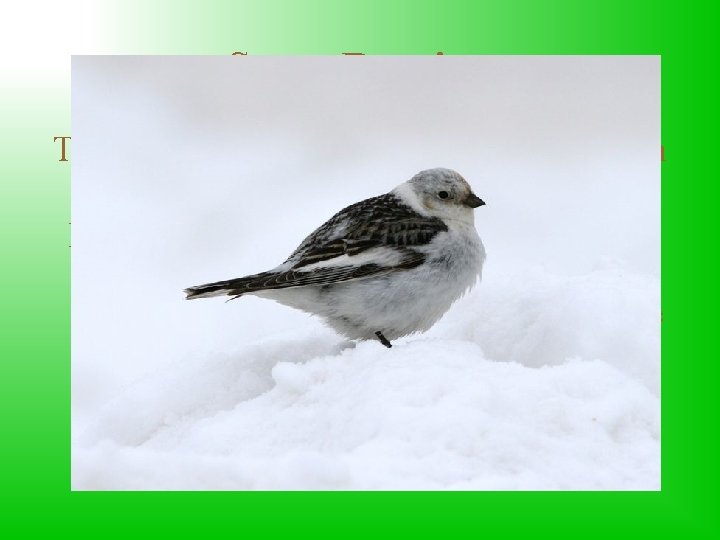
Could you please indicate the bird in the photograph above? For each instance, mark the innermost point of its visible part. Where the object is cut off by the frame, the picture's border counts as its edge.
(382, 268)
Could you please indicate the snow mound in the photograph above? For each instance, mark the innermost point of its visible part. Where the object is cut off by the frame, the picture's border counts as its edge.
(424, 415)
(534, 383)
(540, 319)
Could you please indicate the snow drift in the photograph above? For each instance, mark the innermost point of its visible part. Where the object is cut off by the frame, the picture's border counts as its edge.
(534, 383)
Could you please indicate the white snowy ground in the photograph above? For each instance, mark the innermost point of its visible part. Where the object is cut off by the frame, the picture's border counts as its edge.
(192, 169)
(540, 383)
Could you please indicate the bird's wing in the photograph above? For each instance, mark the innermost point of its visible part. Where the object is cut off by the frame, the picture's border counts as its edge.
(381, 231)
(300, 278)
(283, 280)
(371, 238)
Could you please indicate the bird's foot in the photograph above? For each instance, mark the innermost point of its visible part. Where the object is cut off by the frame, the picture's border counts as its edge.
(383, 339)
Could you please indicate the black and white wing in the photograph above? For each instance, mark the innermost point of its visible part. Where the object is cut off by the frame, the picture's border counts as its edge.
(370, 238)
(380, 223)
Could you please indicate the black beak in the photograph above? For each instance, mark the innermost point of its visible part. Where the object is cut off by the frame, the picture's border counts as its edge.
(473, 201)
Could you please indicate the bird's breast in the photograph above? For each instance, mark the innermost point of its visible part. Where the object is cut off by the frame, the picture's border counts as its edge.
(459, 252)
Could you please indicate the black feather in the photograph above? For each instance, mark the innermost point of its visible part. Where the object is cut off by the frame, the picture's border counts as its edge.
(383, 221)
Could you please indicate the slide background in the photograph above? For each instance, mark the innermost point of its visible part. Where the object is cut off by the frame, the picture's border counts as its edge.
(38, 40)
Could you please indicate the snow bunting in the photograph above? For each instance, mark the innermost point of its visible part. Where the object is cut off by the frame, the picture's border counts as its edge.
(382, 268)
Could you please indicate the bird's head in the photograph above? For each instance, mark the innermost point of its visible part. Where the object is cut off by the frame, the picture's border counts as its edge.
(441, 193)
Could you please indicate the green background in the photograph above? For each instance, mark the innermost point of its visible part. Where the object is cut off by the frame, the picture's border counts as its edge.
(35, 270)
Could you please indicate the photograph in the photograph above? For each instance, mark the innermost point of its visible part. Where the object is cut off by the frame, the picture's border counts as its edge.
(365, 273)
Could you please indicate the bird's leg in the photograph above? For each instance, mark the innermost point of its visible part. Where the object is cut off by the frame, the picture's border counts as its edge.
(383, 339)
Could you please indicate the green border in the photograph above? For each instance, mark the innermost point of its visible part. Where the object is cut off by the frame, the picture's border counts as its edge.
(35, 324)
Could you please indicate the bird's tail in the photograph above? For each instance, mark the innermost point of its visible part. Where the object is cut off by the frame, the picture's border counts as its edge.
(230, 287)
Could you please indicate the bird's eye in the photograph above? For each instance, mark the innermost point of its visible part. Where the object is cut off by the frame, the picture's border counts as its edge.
(443, 194)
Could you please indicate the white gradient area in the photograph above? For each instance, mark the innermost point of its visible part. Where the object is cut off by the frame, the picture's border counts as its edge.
(38, 36)
(187, 170)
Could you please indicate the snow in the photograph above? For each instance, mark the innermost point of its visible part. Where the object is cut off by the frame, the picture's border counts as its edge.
(545, 376)
(553, 391)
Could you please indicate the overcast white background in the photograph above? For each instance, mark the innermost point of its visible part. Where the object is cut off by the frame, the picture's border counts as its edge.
(193, 169)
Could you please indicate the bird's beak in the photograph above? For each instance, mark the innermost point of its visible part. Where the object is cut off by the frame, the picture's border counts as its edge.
(473, 201)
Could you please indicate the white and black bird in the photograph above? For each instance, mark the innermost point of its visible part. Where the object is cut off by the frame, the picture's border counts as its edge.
(381, 268)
